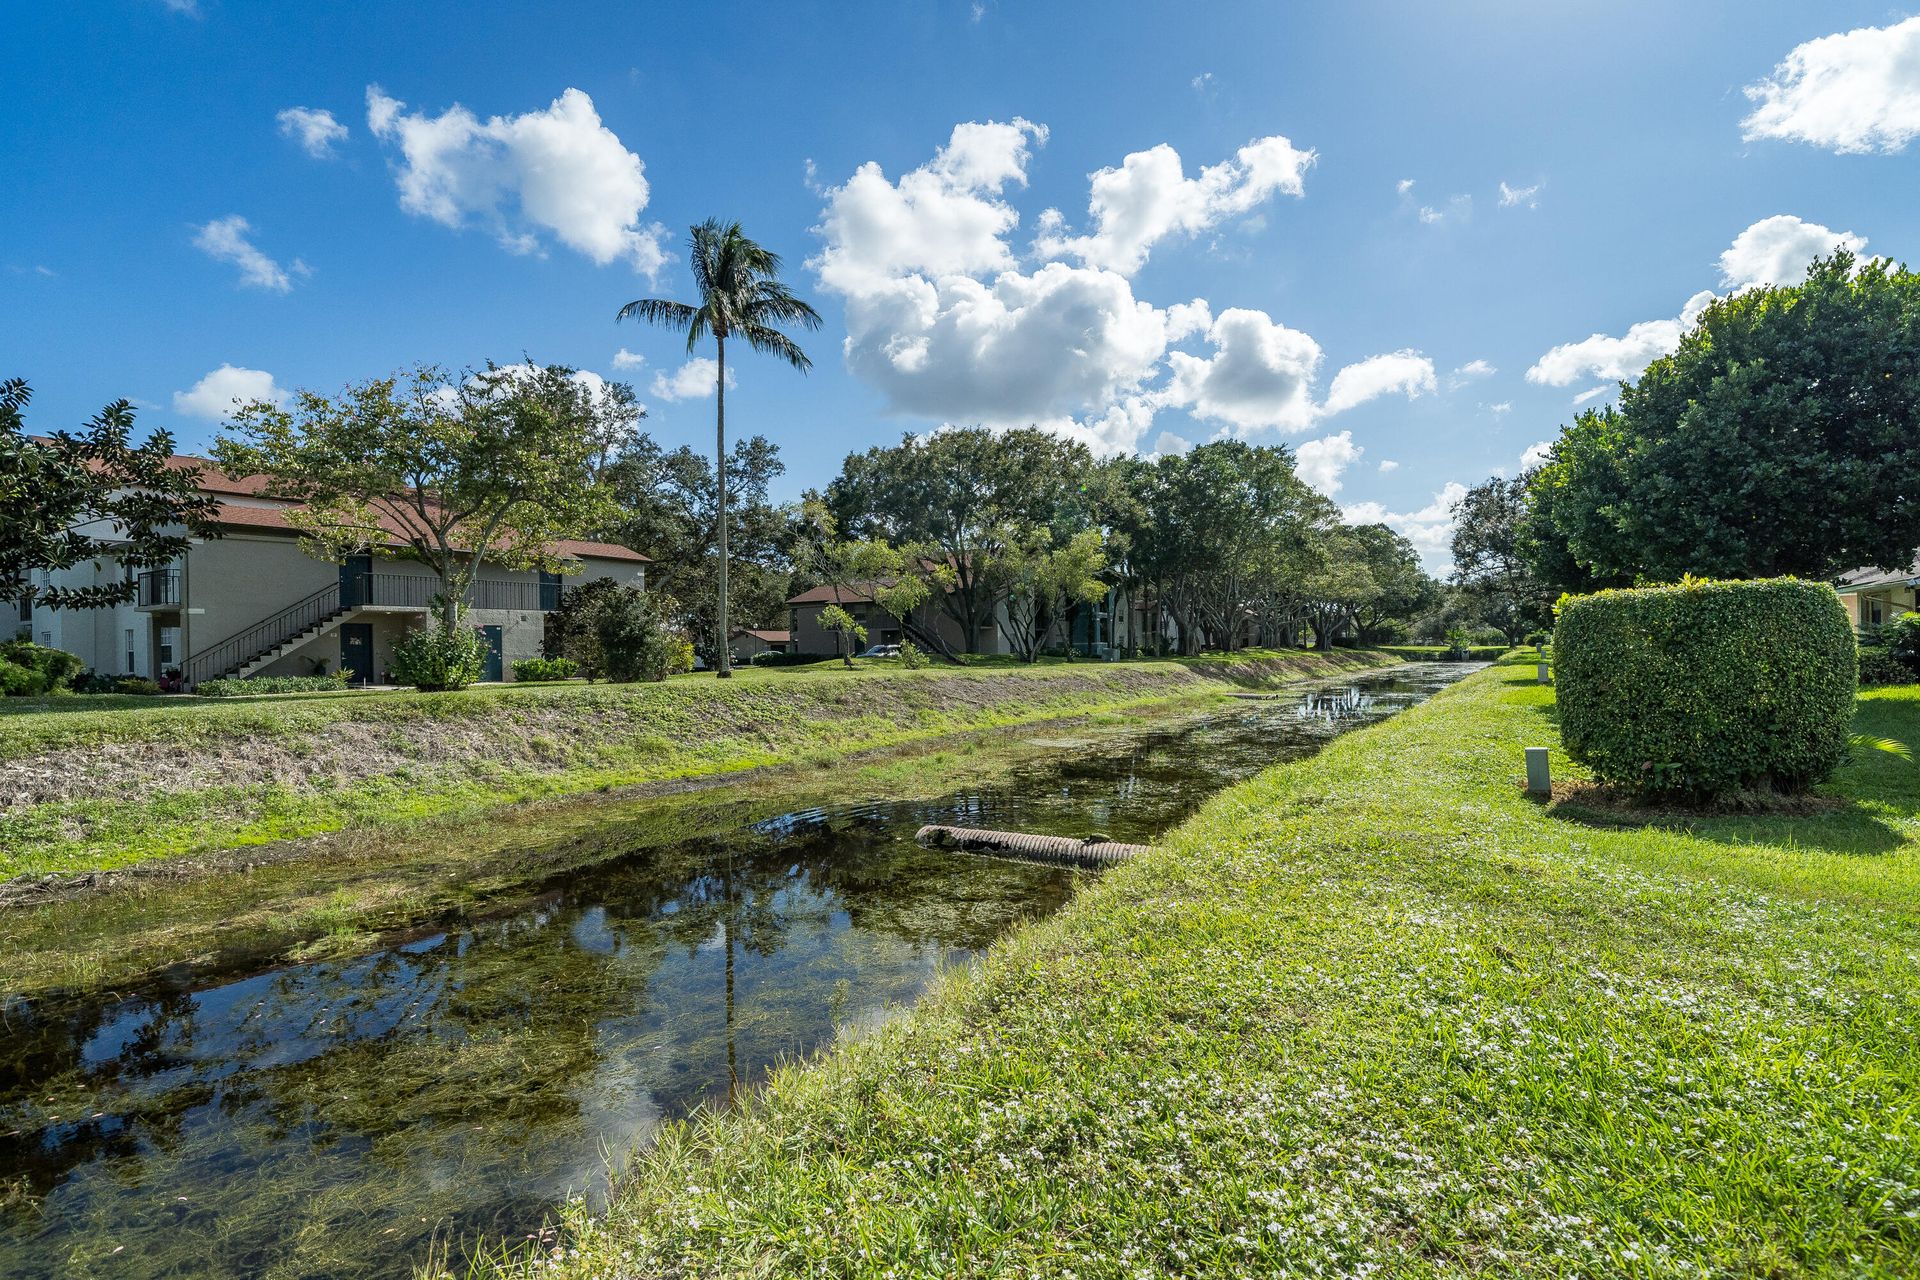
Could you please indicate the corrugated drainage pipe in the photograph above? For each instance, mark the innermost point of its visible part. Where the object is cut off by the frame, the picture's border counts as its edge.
(1059, 851)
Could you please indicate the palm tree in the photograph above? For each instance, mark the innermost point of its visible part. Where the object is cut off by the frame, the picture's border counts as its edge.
(740, 297)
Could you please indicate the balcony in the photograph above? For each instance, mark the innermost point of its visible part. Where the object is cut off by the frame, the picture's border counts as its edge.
(158, 589)
(409, 591)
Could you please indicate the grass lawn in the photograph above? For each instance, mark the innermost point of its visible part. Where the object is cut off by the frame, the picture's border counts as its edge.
(1375, 1013)
(88, 788)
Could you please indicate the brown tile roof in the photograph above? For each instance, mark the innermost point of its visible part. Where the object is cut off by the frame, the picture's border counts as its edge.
(853, 593)
(761, 633)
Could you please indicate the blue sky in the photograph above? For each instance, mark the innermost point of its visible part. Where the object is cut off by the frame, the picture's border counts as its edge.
(166, 220)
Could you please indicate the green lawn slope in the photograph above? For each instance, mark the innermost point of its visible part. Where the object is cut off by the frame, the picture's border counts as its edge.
(1372, 1014)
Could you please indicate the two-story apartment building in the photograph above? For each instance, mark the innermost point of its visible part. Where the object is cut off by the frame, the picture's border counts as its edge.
(253, 603)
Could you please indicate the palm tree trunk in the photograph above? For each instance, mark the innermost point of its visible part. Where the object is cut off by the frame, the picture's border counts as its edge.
(723, 668)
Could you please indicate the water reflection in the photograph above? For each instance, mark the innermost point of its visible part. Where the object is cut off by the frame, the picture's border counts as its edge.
(330, 1118)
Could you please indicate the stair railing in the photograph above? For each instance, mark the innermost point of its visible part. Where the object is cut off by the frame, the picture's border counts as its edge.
(262, 637)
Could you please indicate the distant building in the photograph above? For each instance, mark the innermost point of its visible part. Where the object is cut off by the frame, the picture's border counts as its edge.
(253, 603)
(749, 643)
(1875, 597)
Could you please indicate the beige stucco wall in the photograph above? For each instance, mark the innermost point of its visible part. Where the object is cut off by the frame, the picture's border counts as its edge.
(234, 582)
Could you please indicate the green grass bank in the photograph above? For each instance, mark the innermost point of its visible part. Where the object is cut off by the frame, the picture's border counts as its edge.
(85, 787)
(1375, 1013)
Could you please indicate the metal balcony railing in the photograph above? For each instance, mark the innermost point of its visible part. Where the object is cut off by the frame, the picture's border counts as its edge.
(158, 588)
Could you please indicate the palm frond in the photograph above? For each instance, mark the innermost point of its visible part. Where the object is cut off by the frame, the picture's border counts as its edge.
(772, 342)
(660, 311)
(774, 303)
(1864, 743)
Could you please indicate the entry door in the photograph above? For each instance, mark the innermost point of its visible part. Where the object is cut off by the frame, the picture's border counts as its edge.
(356, 581)
(494, 669)
(356, 651)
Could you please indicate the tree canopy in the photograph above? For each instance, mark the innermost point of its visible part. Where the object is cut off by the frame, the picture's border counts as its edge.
(1781, 437)
(90, 495)
(496, 464)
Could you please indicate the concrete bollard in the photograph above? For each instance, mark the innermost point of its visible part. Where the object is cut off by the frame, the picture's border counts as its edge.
(1544, 675)
(1539, 775)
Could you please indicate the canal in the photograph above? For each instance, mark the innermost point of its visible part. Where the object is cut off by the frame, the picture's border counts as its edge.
(345, 1115)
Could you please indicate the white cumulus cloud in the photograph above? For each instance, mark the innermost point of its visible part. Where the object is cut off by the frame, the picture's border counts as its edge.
(1857, 91)
(314, 129)
(1406, 372)
(695, 380)
(1149, 197)
(945, 218)
(1536, 453)
(1430, 529)
(218, 394)
(1321, 462)
(1777, 250)
(625, 359)
(949, 323)
(1594, 393)
(1260, 374)
(558, 171)
(1388, 465)
(227, 240)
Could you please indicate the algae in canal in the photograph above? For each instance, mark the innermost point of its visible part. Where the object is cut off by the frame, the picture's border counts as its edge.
(333, 1117)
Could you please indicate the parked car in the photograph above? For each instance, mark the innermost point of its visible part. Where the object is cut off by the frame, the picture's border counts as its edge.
(880, 651)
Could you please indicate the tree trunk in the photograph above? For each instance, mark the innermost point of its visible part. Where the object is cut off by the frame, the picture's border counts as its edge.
(723, 667)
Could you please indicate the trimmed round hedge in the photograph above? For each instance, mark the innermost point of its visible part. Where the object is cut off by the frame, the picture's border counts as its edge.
(1707, 688)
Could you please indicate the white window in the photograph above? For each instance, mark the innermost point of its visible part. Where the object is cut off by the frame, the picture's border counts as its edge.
(131, 666)
(169, 645)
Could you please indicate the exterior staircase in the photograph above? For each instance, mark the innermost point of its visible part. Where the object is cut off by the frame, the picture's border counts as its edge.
(281, 650)
(260, 644)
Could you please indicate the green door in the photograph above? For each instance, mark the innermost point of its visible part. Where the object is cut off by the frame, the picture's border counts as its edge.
(356, 651)
(494, 668)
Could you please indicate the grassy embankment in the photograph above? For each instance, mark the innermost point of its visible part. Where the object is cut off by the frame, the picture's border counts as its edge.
(85, 788)
(1373, 1013)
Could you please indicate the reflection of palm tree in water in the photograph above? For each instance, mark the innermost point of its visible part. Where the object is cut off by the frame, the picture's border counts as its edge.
(726, 927)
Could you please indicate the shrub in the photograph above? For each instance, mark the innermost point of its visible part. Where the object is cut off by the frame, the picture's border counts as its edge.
(1902, 638)
(911, 657)
(1487, 634)
(439, 657)
(1539, 639)
(48, 669)
(570, 629)
(1879, 666)
(17, 681)
(1707, 688)
(253, 685)
(139, 685)
(545, 669)
(635, 640)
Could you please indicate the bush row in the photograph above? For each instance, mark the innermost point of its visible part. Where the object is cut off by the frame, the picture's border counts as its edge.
(252, 685)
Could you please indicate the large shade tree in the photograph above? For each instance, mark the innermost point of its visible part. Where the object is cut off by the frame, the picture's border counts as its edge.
(974, 501)
(1490, 561)
(1782, 437)
(668, 502)
(741, 297)
(90, 495)
(495, 465)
